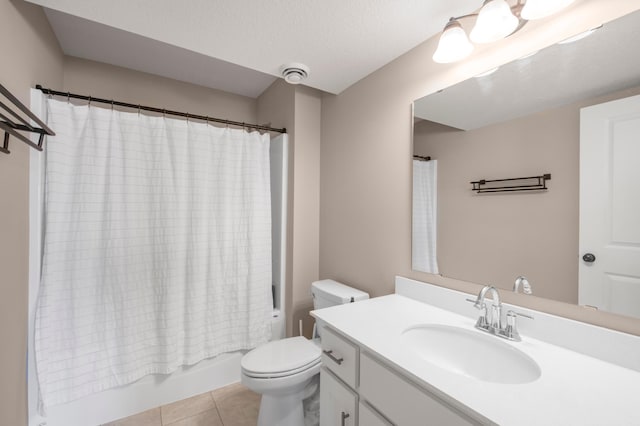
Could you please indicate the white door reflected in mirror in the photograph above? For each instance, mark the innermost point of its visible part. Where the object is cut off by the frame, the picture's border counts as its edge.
(609, 272)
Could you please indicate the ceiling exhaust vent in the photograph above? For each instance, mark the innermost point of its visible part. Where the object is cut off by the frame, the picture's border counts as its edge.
(294, 73)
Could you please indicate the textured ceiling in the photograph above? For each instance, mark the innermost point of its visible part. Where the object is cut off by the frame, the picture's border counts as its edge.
(240, 45)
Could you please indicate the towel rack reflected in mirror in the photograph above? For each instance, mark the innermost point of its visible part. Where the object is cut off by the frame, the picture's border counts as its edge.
(532, 183)
(14, 117)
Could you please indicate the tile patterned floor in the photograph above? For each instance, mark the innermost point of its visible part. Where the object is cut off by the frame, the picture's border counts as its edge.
(233, 405)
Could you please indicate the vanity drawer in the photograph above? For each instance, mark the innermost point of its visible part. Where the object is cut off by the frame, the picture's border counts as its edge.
(340, 356)
(407, 405)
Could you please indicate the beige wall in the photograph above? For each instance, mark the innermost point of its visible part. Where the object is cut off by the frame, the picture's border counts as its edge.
(298, 109)
(30, 56)
(306, 198)
(365, 204)
(110, 82)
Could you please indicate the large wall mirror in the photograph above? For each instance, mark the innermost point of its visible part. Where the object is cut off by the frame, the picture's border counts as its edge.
(541, 114)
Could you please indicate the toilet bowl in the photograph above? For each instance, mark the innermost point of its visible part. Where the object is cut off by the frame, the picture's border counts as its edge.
(283, 370)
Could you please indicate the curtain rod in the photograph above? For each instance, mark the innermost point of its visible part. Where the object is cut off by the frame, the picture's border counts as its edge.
(158, 110)
(421, 158)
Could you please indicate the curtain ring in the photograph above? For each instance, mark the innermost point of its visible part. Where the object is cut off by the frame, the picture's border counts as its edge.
(68, 96)
(111, 104)
(138, 110)
(164, 113)
(207, 122)
(187, 118)
(89, 102)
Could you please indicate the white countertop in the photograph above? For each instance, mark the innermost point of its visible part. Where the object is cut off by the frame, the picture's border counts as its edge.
(574, 389)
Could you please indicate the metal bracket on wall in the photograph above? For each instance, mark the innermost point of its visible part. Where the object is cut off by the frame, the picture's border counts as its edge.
(532, 183)
(11, 121)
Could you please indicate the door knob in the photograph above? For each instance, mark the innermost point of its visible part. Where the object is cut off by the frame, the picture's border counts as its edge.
(589, 258)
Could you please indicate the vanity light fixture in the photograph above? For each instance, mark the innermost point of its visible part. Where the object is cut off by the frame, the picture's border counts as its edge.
(454, 44)
(495, 20)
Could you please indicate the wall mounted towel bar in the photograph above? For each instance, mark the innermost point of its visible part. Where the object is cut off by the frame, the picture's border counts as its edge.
(532, 183)
(11, 121)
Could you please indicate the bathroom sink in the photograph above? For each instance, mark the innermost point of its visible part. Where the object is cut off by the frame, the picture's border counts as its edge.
(471, 354)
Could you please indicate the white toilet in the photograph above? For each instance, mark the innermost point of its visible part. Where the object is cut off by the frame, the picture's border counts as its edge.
(282, 370)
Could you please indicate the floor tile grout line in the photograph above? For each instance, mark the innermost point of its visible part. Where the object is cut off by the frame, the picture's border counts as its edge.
(215, 404)
(195, 415)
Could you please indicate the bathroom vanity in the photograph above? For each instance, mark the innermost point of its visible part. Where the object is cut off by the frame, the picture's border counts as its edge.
(415, 358)
(383, 397)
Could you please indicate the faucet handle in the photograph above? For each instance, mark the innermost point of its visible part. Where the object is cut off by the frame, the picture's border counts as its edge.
(483, 322)
(511, 331)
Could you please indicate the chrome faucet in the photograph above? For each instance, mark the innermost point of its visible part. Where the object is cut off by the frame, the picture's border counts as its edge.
(492, 323)
(524, 282)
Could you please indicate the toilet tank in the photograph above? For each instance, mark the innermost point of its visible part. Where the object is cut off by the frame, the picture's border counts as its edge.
(328, 293)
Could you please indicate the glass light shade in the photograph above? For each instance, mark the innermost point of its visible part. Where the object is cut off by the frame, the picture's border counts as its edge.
(495, 22)
(453, 45)
(538, 9)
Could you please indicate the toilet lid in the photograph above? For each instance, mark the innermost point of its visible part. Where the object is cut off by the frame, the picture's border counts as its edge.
(281, 356)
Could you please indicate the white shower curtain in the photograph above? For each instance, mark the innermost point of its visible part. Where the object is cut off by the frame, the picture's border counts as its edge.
(157, 248)
(425, 203)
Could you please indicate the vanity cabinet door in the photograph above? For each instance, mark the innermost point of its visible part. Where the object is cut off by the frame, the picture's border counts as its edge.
(338, 403)
(402, 402)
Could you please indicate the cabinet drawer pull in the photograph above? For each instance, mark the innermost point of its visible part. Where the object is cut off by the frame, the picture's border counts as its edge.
(333, 358)
(344, 417)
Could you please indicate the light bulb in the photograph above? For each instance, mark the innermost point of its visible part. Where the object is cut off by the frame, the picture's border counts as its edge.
(453, 45)
(538, 9)
(495, 22)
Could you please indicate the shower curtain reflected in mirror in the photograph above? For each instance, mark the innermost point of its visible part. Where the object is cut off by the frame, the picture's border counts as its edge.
(157, 248)
(425, 207)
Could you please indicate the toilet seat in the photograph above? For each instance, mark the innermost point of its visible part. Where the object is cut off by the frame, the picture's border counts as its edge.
(281, 358)
(275, 375)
